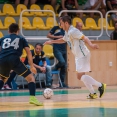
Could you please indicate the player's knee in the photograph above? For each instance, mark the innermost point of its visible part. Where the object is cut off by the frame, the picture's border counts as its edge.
(30, 78)
(48, 68)
(79, 78)
(80, 75)
(62, 63)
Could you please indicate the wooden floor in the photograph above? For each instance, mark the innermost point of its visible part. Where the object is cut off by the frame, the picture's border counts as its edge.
(64, 103)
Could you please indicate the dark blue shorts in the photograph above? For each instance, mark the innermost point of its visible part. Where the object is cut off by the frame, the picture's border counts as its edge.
(12, 62)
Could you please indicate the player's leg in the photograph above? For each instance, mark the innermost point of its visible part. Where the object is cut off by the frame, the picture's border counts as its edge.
(4, 71)
(61, 57)
(2, 81)
(89, 80)
(31, 84)
(83, 64)
(9, 81)
(22, 70)
(63, 70)
(92, 94)
(61, 60)
(48, 76)
(32, 89)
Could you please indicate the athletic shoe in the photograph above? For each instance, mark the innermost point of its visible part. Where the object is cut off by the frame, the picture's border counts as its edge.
(33, 100)
(7, 86)
(102, 90)
(64, 85)
(92, 96)
(3, 88)
(48, 85)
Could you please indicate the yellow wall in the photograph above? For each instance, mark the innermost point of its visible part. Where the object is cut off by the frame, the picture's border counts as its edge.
(100, 68)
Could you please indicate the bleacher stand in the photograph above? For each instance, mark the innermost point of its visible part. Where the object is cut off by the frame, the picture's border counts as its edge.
(39, 23)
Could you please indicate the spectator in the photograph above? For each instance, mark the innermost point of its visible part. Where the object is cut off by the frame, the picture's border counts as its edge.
(59, 51)
(114, 15)
(113, 35)
(69, 5)
(26, 2)
(110, 4)
(39, 55)
(95, 5)
(51, 2)
(79, 26)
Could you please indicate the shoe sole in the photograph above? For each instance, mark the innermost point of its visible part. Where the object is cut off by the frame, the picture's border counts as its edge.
(36, 104)
(92, 98)
(104, 85)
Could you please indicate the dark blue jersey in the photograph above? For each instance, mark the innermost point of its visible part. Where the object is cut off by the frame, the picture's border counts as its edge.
(36, 58)
(12, 44)
(57, 31)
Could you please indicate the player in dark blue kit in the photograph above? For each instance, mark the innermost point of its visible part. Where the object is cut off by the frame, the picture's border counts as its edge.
(59, 51)
(11, 47)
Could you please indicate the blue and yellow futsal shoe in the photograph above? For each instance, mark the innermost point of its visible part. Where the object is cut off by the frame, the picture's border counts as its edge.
(92, 96)
(102, 90)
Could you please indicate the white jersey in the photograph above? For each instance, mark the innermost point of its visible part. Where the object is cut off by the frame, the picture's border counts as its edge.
(74, 40)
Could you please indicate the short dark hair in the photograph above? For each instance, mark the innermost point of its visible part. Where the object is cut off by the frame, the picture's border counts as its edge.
(38, 44)
(13, 28)
(59, 18)
(66, 19)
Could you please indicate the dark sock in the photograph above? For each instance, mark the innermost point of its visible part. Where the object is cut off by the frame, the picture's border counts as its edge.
(10, 79)
(32, 88)
(1, 84)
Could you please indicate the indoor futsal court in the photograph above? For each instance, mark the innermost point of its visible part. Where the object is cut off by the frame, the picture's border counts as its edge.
(64, 103)
(43, 20)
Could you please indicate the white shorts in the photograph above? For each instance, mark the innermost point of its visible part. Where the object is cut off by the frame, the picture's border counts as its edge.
(83, 64)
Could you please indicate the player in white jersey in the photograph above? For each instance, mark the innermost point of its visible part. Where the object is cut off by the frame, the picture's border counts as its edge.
(75, 39)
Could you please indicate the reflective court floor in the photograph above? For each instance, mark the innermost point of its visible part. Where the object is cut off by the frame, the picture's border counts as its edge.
(64, 103)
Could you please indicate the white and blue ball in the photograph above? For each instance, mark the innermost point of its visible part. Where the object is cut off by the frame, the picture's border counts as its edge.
(48, 93)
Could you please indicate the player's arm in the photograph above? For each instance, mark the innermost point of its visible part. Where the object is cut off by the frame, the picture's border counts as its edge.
(94, 5)
(109, 4)
(76, 4)
(29, 56)
(36, 66)
(86, 39)
(63, 4)
(44, 60)
(51, 36)
(54, 41)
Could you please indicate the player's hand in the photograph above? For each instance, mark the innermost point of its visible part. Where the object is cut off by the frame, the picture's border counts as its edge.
(95, 46)
(44, 69)
(41, 69)
(47, 42)
(33, 70)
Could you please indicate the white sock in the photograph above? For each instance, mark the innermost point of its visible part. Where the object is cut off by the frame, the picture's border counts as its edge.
(89, 80)
(90, 88)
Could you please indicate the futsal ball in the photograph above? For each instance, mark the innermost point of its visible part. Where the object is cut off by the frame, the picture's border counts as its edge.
(48, 93)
